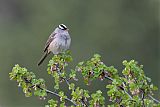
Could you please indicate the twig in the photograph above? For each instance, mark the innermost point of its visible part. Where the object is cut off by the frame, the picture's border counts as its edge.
(82, 101)
(154, 99)
(121, 87)
(143, 98)
(109, 78)
(157, 101)
(51, 92)
(59, 73)
(143, 92)
(128, 94)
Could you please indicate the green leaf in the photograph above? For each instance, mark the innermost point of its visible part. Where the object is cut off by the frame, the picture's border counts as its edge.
(72, 86)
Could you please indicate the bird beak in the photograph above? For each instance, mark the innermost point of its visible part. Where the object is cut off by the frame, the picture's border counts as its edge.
(67, 29)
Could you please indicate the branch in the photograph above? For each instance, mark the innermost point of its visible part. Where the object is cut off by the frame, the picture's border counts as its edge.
(143, 99)
(157, 101)
(111, 79)
(144, 93)
(51, 92)
(67, 82)
(121, 87)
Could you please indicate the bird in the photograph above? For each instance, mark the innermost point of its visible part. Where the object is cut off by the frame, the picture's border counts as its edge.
(58, 42)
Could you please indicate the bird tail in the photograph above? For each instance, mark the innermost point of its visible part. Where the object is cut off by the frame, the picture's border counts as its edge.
(42, 58)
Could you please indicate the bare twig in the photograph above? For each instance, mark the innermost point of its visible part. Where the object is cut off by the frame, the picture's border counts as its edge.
(51, 92)
(157, 101)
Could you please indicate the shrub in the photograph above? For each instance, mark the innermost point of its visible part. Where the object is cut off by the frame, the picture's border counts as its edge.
(132, 89)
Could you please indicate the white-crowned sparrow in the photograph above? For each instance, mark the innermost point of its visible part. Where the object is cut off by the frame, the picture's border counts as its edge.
(57, 42)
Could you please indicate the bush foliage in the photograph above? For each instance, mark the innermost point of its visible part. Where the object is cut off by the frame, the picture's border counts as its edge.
(131, 89)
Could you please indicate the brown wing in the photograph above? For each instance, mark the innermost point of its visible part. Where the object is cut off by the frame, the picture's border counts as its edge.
(50, 39)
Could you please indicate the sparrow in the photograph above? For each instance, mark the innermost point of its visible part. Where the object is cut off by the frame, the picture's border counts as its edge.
(58, 42)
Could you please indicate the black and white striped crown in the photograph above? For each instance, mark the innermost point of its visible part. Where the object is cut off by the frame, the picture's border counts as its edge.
(62, 26)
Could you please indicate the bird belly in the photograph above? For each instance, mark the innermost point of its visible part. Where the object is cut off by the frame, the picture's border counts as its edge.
(58, 45)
